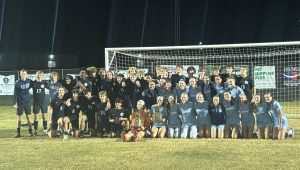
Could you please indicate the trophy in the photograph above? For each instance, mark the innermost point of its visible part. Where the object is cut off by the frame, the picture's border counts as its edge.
(137, 123)
(137, 120)
(157, 116)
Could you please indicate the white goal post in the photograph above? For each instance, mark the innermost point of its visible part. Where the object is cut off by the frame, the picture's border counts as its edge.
(274, 66)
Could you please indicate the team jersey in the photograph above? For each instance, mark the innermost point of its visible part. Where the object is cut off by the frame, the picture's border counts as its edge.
(263, 118)
(178, 91)
(226, 76)
(90, 110)
(150, 97)
(235, 92)
(176, 78)
(219, 89)
(247, 116)
(53, 87)
(21, 92)
(90, 106)
(118, 90)
(201, 110)
(74, 109)
(231, 112)
(110, 90)
(275, 108)
(117, 114)
(102, 117)
(102, 84)
(86, 83)
(69, 87)
(217, 115)
(246, 84)
(38, 89)
(58, 108)
(166, 93)
(134, 92)
(158, 114)
(188, 114)
(173, 116)
(95, 85)
(192, 92)
(207, 92)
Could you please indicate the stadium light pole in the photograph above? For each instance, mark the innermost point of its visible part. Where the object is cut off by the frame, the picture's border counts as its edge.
(2, 18)
(204, 22)
(51, 57)
(1, 27)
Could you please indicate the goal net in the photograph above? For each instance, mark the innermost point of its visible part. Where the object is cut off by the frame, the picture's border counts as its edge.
(274, 67)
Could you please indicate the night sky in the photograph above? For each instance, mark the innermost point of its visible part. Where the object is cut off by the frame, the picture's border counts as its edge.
(85, 27)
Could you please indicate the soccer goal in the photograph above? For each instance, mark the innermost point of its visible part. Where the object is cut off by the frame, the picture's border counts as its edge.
(274, 66)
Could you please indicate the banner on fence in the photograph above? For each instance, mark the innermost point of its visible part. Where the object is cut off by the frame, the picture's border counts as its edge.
(7, 84)
(264, 77)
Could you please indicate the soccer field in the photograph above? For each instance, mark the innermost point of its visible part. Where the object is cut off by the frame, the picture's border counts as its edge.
(95, 153)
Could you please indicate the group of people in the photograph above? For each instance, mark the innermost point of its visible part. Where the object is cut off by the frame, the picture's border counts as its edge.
(99, 103)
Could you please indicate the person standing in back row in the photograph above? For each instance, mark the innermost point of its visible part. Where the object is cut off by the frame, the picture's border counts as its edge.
(22, 101)
(246, 83)
(39, 101)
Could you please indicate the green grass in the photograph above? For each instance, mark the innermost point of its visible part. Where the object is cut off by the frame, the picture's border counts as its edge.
(291, 107)
(90, 153)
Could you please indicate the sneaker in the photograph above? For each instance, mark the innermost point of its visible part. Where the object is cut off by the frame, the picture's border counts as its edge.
(148, 133)
(59, 133)
(66, 137)
(36, 133)
(46, 132)
(291, 132)
(30, 134)
(70, 131)
(17, 136)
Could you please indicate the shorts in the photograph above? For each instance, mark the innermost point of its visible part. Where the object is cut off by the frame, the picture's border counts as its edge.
(116, 128)
(24, 107)
(285, 122)
(75, 124)
(91, 121)
(275, 122)
(217, 127)
(54, 124)
(158, 125)
(39, 106)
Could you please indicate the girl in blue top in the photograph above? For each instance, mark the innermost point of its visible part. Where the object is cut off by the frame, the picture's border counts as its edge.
(188, 117)
(263, 118)
(193, 89)
(203, 118)
(207, 89)
(167, 91)
(232, 116)
(158, 118)
(217, 115)
(218, 86)
(174, 121)
(179, 90)
(247, 117)
(280, 121)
